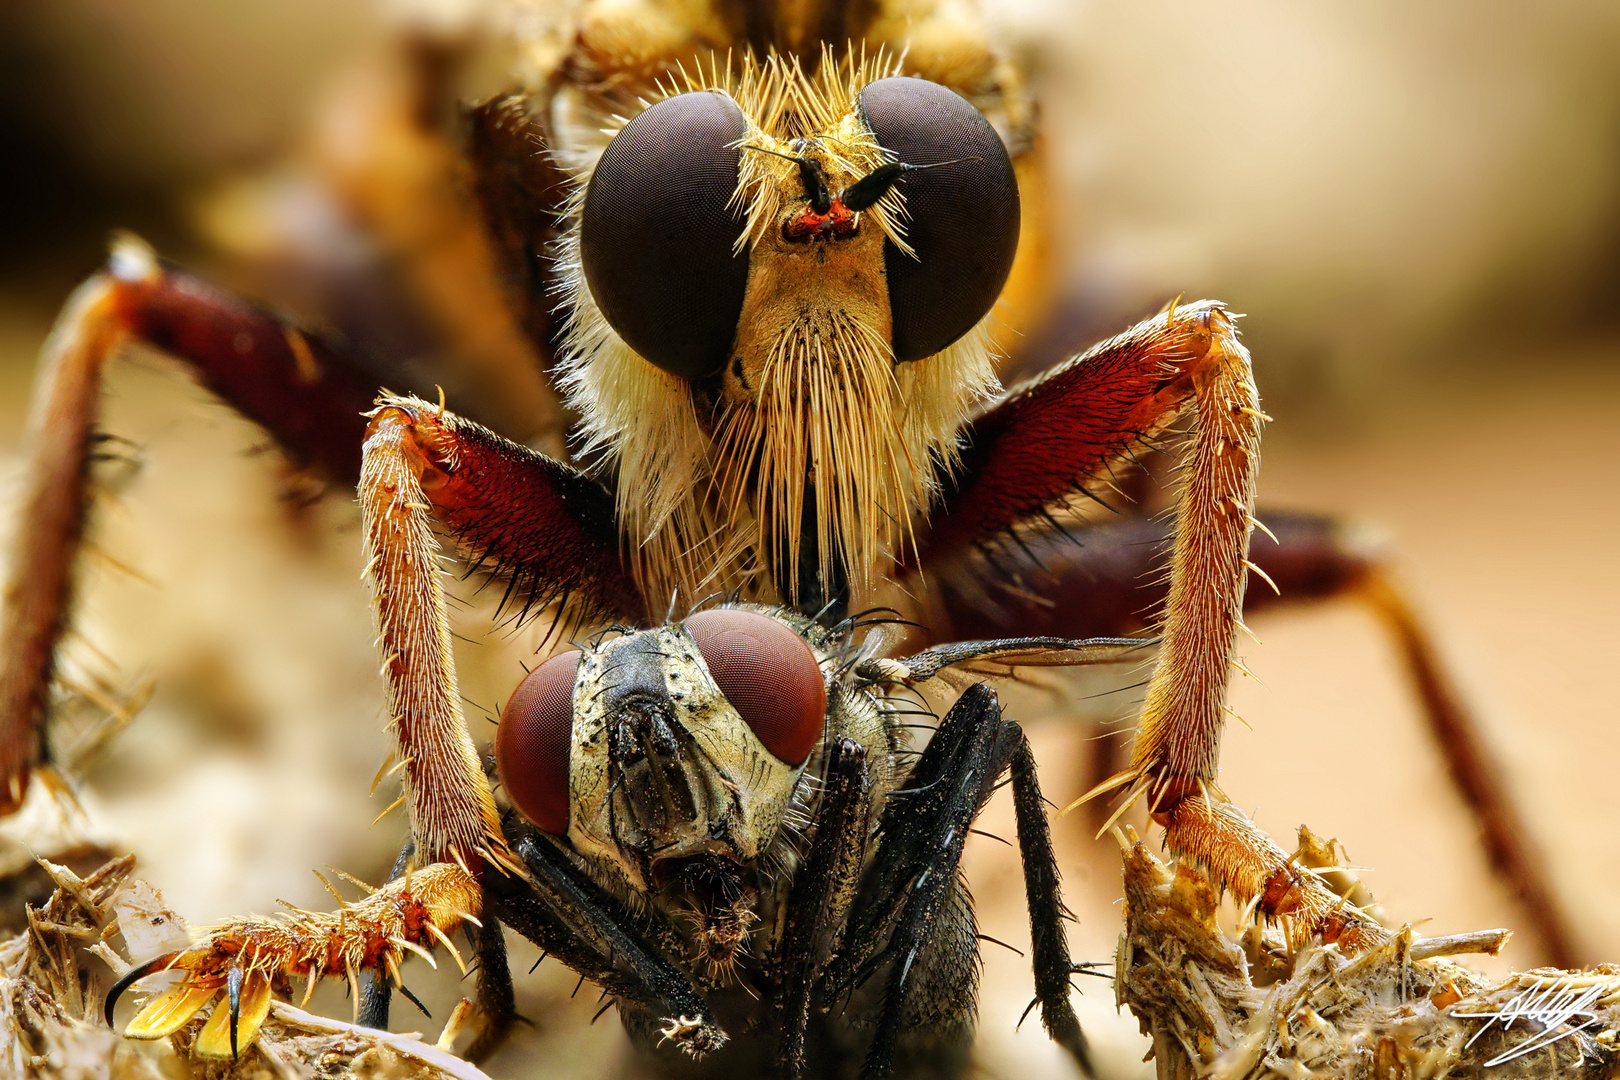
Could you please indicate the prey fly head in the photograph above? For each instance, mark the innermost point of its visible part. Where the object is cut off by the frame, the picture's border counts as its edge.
(667, 748)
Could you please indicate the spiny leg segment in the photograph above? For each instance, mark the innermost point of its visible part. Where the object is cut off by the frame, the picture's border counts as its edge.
(1061, 436)
(1178, 737)
(1177, 751)
(244, 957)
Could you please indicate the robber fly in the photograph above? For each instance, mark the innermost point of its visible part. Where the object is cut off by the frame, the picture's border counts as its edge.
(777, 270)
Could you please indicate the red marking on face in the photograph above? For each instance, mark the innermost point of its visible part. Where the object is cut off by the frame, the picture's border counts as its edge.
(838, 221)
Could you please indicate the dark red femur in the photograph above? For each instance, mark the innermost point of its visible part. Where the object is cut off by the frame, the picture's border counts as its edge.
(532, 742)
(769, 675)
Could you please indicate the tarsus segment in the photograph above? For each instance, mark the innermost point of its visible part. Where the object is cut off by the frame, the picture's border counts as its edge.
(242, 957)
(1240, 858)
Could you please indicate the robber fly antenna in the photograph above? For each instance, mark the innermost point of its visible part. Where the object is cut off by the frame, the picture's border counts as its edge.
(815, 185)
(866, 191)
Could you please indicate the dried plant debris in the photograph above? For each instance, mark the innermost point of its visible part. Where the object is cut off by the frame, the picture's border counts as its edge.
(51, 825)
(49, 1000)
(54, 975)
(1257, 1008)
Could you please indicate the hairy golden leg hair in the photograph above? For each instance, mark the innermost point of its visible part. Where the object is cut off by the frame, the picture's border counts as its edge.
(539, 523)
(1176, 756)
(1178, 737)
(451, 807)
(243, 957)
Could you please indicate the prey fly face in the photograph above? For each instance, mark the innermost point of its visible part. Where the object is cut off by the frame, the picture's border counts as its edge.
(735, 792)
(681, 742)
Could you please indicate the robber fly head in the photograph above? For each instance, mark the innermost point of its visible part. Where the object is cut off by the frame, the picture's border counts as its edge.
(660, 747)
(782, 282)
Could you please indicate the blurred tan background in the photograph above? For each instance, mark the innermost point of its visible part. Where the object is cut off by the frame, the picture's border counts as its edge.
(1418, 208)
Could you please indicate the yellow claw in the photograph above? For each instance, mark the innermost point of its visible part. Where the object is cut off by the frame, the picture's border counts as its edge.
(238, 959)
(164, 1014)
(217, 1040)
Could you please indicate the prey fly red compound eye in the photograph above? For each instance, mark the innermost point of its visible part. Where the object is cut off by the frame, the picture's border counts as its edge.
(769, 675)
(532, 743)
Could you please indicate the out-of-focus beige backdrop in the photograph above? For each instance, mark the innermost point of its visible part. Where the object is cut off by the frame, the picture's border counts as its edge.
(1417, 206)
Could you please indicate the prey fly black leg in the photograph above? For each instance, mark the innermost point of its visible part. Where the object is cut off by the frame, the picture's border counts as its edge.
(926, 831)
(821, 895)
(521, 909)
(1046, 911)
(377, 993)
(496, 998)
(638, 969)
(913, 895)
(913, 882)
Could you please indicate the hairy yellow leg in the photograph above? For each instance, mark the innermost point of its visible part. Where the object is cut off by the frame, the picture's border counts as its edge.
(1178, 742)
(452, 810)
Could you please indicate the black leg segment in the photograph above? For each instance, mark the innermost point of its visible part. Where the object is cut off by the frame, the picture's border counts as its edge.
(377, 993)
(913, 908)
(821, 896)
